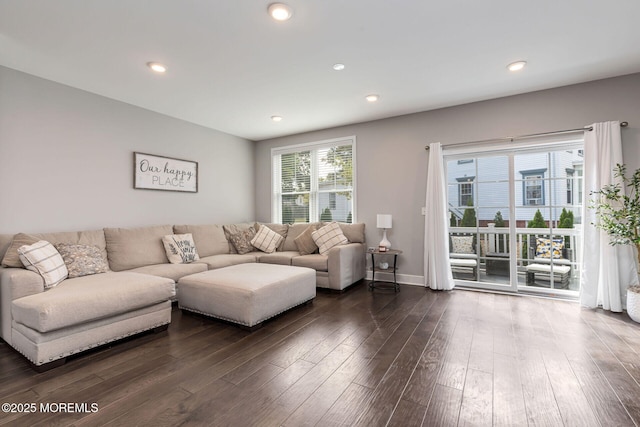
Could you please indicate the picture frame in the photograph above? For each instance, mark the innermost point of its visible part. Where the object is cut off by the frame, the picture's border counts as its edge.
(153, 172)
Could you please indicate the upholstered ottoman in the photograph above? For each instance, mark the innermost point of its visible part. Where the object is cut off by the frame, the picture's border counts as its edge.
(247, 294)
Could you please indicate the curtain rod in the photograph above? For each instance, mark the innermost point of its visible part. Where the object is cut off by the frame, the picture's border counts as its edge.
(511, 138)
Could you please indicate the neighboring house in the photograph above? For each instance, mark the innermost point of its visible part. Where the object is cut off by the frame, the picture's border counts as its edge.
(549, 181)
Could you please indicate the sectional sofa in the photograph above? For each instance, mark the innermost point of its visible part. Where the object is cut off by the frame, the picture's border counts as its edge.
(134, 291)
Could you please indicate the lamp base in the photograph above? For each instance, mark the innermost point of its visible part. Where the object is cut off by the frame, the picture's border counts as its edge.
(385, 242)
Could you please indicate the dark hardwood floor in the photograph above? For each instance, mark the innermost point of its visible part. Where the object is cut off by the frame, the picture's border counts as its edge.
(360, 358)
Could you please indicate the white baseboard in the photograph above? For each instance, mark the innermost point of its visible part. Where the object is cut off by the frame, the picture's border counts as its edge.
(405, 279)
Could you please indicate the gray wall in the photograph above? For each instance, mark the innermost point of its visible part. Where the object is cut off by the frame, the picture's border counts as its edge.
(391, 159)
(66, 162)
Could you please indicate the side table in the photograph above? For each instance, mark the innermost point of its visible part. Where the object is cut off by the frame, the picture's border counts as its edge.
(393, 267)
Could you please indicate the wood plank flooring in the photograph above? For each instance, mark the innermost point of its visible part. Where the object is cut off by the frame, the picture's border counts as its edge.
(361, 358)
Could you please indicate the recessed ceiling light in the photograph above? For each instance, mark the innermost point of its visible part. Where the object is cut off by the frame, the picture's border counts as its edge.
(276, 118)
(280, 11)
(516, 66)
(338, 67)
(372, 98)
(157, 67)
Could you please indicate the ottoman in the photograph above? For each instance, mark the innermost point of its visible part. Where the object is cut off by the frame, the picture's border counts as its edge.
(247, 294)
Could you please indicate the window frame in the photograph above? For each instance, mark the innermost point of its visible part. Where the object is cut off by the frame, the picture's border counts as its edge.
(526, 175)
(466, 181)
(314, 191)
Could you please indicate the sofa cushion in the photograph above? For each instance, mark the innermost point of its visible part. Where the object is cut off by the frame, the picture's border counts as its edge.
(241, 240)
(88, 298)
(353, 232)
(82, 260)
(281, 258)
(316, 261)
(328, 237)
(219, 261)
(180, 248)
(209, 239)
(171, 271)
(136, 247)
(43, 258)
(305, 243)
(266, 240)
(90, 237)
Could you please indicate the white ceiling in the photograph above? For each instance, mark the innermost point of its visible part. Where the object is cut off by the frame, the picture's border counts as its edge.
(231, 67)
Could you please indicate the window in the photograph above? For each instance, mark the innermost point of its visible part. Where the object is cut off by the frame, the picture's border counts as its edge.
(533, 187)
(465, 191)
(314, 182)
(570, 186)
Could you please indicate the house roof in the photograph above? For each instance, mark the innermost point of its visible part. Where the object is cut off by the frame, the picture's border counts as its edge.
(231, 67)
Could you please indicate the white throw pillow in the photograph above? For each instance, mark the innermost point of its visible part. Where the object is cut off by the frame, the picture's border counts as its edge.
(180, 248)
(42, 258)
(329, 236)
(462, 244)
(266, 240)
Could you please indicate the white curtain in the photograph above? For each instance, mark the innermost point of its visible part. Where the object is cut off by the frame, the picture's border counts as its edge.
(607, 271)
(437, 269)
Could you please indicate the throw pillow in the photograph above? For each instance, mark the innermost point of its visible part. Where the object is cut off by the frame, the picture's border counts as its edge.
(328, 237)
(42, 258)
(546, 249)
(232, 229)
(82, 260)
(241, 240)
(462, 245)
(305, 243)
(266, 240)
(11, 257)
(180, 248)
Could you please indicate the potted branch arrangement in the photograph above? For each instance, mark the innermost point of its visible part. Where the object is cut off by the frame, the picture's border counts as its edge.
(619, 216)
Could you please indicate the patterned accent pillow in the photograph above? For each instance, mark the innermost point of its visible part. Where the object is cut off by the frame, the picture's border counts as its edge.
(462, 245)
(328, 237)
(266, 239)
(304, 242)
(241, 240)
(42, 258)
(545, 249)
(82, 260)
(180, 248)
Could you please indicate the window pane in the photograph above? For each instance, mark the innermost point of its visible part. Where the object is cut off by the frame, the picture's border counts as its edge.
(295, 208)
(296, 172)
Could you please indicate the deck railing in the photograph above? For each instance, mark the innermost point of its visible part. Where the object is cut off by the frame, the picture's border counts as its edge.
(491, 241)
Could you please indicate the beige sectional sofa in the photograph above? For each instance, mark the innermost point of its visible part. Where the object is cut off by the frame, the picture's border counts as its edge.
(136, 292)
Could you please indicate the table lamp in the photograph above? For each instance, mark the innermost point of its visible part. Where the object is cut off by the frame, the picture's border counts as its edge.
(384, 222)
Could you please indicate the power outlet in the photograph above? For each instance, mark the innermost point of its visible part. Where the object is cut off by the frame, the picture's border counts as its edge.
(424, 210)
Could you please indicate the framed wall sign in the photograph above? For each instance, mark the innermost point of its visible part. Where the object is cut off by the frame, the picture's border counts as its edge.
(152, 172)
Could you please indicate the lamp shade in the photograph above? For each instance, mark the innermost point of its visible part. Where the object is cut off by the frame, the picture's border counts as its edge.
(384, 221)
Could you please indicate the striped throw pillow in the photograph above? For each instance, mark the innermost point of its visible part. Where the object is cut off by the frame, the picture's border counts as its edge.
(329, 236)
(42, 258)
(266, 240)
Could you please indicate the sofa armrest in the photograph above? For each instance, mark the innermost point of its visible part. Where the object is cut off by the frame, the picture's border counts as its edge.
(15, 283)
(347, 265)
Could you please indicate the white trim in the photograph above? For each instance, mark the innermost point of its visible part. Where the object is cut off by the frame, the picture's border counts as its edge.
(311, 145)
(404, 279)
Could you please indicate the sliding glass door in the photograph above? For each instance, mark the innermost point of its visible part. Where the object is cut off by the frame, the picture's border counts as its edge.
(515, 218)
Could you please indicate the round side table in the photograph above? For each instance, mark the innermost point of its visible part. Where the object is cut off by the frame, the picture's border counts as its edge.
(393, 267)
